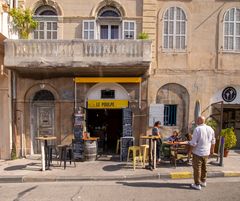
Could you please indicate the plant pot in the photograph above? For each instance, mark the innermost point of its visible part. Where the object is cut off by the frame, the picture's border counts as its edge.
(226, 152)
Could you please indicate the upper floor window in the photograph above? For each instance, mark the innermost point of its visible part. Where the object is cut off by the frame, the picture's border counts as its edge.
(232, 30)
(174, 30)
(47, 23)
(109, 26)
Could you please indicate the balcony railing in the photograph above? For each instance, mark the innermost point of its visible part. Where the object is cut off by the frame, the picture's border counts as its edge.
(51, 53)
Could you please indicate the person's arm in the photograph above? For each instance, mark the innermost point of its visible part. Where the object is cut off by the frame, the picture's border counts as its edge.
(212, 142)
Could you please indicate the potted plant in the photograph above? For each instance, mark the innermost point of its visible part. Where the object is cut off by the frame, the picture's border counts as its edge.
(230, 139)
(143, 36)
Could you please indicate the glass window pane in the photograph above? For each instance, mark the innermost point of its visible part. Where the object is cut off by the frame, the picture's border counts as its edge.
(183, 16)
(177, 27)
(165, 27)
(54, 25)
(35, 35)
(104, 32)
(226, 28)
(171, 13)
(49, 25)
(183, 27)
(126, 24)
(85, 25)
(177, 42)
(41, 25)
(91, 25)
(165, 42)
(227, 16)
(237, 46)
(232, 14)
(178, 17)
(231, 28)
(91, 35)
(49, 35)
(86, 35)
(238, 29)
(41, 35)
(183, 42)
(170, 42)
(170, 27)
(132, 26)
(114, 32)
(230, 43)
(238, 15)
(166, 15)
(54, 35)
(225, 43)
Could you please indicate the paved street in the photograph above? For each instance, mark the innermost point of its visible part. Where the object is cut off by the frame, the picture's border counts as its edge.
(218, 189)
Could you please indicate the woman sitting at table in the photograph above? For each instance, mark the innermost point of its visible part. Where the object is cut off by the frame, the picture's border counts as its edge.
(173, 137)
(156, 132)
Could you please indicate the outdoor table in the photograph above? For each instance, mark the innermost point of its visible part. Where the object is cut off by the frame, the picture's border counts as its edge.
(45, 151)
(151, 139)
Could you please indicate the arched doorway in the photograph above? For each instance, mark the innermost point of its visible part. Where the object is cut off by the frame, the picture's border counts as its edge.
(175, 99)
(43, 115)
(105, 104)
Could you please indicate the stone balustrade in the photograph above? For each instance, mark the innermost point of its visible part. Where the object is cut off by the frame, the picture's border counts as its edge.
(51, 53)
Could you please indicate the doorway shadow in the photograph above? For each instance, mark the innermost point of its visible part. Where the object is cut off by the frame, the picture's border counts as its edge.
(117, 167)
(156, 185)
(29, 167)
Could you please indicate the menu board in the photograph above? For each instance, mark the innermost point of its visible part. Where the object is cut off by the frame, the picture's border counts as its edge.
(78, 149)
(78, 144)
(126, 139)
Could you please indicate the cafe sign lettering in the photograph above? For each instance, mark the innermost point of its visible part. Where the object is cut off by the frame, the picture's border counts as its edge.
(107, 104)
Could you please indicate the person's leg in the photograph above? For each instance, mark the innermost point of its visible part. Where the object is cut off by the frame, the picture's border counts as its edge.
(196, 168)
(204, 169)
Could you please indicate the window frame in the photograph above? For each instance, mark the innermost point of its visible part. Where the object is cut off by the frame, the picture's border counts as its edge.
(168, 117)
(123, 29)
(45, 30)
(234, 50)
(174, 49)
(89, 30)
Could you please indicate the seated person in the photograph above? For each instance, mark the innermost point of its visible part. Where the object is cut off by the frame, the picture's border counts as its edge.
(174, 136)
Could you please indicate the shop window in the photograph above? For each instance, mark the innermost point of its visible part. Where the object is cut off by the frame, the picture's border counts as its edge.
(107, 94)
(174, 29)
(170, 115)
(232, 30)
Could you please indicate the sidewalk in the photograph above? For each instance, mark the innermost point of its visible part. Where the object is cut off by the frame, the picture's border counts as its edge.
(28, 170)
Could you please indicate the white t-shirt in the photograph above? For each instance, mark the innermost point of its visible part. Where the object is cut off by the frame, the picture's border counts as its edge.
(202, 139)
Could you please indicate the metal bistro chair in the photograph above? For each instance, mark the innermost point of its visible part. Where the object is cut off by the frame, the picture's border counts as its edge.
(179, 153)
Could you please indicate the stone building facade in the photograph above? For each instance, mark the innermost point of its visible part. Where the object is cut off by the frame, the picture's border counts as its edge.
(195, 57)
(192, 58)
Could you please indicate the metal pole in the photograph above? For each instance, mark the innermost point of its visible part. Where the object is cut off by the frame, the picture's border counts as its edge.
(140, 95)
(75, 95)
(221, 151)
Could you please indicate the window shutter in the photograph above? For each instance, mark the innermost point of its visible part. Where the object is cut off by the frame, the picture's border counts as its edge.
(89, 29)
(129, 29)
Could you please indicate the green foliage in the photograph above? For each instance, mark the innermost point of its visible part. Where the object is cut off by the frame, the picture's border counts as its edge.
(212, 123)
(230, 137)
(23, 21)
(143, 36)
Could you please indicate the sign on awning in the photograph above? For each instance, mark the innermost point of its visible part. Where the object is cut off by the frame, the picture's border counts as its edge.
(107, 104)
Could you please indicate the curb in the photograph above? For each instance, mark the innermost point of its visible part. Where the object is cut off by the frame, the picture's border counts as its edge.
(154, 176)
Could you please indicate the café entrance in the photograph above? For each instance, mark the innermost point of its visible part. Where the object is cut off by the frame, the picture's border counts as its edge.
(107, 125)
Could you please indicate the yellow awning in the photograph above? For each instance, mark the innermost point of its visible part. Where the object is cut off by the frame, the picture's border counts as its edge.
(108, 79)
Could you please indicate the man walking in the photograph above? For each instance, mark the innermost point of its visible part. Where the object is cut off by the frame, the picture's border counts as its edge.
(202, 144)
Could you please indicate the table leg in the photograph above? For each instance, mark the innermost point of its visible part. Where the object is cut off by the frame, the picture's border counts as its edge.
(43, 155)
(154, 153)
(150, 154)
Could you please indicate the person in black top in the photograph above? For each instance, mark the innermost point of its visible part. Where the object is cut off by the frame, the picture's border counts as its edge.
(156, 132)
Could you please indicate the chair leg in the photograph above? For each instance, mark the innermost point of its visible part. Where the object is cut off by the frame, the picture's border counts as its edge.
(65, 157)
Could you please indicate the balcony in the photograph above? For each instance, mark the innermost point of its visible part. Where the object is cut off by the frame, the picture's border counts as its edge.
(78, 57)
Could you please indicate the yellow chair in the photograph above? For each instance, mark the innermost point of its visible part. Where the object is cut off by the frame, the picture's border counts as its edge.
(137, 156)
(144, 151)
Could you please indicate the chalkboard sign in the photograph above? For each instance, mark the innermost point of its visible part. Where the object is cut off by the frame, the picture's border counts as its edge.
(78, 119)
(127, 122)
(78, 132)
(126, 142)
(78, 149)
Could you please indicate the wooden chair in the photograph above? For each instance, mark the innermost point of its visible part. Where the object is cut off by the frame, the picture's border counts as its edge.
(179, 153)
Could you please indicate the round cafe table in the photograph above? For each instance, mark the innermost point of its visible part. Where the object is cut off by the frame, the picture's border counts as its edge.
(45, 153)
